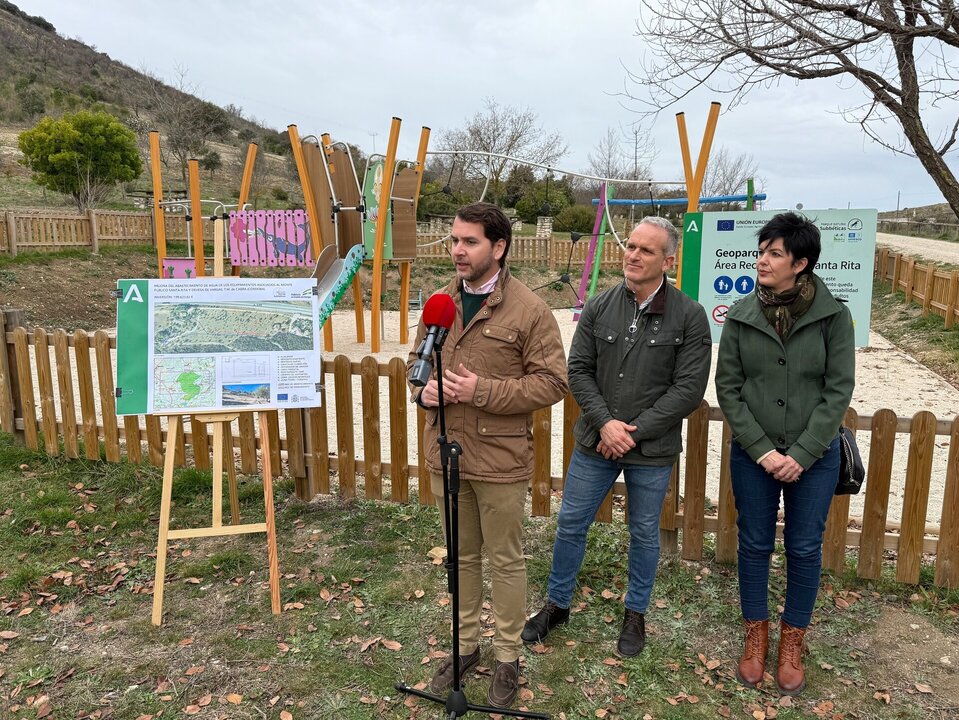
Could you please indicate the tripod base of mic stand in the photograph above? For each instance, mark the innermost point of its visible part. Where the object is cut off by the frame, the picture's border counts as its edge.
(457, 706)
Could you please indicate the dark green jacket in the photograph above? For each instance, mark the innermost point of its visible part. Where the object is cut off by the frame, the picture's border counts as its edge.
(790, 395)
(652, 378)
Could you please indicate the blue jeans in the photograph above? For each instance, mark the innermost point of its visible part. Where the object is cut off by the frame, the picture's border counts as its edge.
(588, 481)
(805, 507)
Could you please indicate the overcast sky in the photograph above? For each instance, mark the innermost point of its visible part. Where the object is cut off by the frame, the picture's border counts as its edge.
(347, 67)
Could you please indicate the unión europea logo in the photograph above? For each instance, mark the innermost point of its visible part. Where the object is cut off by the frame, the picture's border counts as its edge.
(725, 225)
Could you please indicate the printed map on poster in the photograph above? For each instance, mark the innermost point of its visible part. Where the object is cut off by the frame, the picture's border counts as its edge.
(216, 343)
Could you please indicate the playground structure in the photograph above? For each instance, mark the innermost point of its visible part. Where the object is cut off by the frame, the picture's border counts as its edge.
(378, 217)
(693, 183)
(345, 222)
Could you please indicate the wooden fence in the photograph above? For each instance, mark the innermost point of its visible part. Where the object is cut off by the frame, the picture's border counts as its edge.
(46, 231)
(552, 252)
(936, 290)
(73, 413)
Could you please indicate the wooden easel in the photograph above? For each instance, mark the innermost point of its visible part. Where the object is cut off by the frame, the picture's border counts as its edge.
(221, 428)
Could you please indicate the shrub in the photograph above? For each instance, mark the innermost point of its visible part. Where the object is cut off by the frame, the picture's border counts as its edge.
(578, 218)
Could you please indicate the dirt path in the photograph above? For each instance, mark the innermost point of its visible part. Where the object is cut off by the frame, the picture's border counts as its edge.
(935, 250)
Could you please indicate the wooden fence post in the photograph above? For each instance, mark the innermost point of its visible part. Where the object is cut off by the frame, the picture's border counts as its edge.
(727, 535)
(694, 490)
(910, 280)
(9, 391)
(947, 557)
(951, 301)
(399, 433)
(837, 522)
(927, 290)
(345, 447)
(883, 264)
(882, 441)
(94, 234)
(668, 529)
(11, 234)
(922, 441)
(541, 484)
(896, 272)
(372, 439)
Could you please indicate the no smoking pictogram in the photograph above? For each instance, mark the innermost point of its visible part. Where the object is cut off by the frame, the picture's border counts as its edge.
(719, 314)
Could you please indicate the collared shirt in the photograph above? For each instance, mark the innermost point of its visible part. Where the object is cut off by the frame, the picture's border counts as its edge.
(484, 289)
(645, 303)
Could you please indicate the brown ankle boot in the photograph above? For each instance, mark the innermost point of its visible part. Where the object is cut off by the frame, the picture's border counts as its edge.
(752, 664)
(789, 673)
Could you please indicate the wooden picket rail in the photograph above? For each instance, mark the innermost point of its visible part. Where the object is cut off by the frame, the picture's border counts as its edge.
(934, 289)
(51, 231)
(73, 413)
(550, 252)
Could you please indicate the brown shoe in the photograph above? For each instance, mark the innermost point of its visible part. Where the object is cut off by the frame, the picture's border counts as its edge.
(505, 684)
(789, 673)
(443, 679)
(752, 664)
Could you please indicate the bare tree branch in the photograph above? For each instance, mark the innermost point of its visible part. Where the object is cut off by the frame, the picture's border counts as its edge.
(902, 54)
(505, 130)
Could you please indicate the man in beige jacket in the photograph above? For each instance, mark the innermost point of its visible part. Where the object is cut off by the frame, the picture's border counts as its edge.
(503, 359)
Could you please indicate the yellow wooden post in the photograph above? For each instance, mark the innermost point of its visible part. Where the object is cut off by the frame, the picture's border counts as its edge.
(316, 243)
(384, 202)
(694, 179)
(688, 173)
(245, 186)
(704, 149)
(196, 212)
(405, 266)
(159, 224)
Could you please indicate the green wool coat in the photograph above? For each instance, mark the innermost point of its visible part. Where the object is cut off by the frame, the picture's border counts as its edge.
(789, 395)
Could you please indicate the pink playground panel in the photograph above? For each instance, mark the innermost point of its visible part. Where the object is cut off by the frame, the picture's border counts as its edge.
(179, 267)
(270, 238)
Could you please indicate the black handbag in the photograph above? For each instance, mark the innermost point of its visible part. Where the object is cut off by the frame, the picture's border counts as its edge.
(851, 470)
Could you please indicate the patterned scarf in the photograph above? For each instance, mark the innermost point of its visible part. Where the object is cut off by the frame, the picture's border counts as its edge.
(783, 309)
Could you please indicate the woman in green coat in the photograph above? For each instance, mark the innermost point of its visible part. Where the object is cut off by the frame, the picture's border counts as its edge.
(784, 378)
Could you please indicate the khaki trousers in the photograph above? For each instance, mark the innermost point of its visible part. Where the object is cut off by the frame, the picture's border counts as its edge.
(490, 516)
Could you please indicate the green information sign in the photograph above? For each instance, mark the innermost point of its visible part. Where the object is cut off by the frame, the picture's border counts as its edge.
(206, 344)
(719, 260)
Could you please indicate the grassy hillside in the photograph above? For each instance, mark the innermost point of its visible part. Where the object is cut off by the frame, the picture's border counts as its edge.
(43, 73)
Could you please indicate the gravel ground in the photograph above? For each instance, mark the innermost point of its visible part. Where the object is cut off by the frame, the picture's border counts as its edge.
(936, 250)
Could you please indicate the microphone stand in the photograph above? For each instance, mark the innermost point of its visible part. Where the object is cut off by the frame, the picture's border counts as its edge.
(564, 276)
(455, 703)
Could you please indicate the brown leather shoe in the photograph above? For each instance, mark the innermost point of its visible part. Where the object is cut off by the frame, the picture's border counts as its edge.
(443, 678)
(789, 673)
(504, 685)
(752, 664)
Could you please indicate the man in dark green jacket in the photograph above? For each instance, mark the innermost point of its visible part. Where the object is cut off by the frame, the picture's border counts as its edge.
(638, 365)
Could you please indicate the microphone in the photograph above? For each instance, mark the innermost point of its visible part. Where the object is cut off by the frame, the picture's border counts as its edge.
(439, 312)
